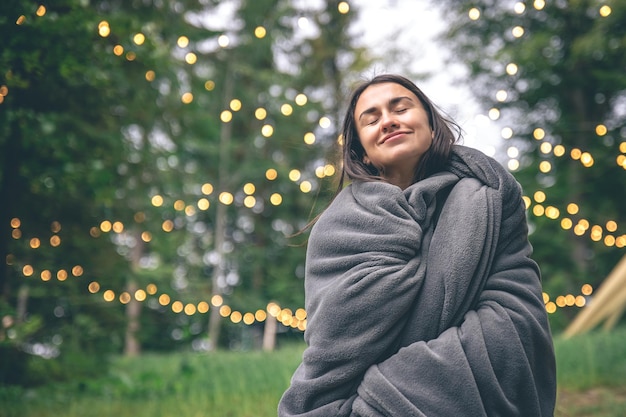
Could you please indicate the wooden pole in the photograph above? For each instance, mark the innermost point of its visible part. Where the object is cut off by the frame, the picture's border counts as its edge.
(607, 303)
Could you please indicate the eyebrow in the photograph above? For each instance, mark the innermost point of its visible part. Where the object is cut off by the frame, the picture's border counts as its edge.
(391, 103)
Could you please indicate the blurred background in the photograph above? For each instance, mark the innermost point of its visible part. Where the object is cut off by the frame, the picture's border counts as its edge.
(159, 157)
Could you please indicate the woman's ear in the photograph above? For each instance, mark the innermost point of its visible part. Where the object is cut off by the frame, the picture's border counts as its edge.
(366, 160)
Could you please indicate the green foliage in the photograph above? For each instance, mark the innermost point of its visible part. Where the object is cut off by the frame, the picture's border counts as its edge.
(563, 73)
(95, 123)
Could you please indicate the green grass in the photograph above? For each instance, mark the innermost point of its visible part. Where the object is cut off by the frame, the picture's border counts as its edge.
(220, 384)
(590, 360)
(591, 375)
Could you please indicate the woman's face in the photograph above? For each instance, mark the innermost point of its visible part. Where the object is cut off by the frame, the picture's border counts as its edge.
(393, 129)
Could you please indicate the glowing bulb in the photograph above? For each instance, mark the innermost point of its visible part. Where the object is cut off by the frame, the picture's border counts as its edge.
(539, 196)
(605, 11)
(545, 167)
(191, 58)
(511, 69)
(286, 109)
(207, 188)
(301, 99)
(306, 186)
(586, 159)
(226, 116)
(260, 113)
(249, 201)
(186, 98)
(572, 208)
(139, 39)
(235, 104)
(223, 41)
(164, 299)
(104, 29)
(249, 188)
(566, 224)
(267, 130)
(517, 31)
(546, 148)
(260, 32)
(276, 199)
(182, 41)
(324, 122)
(513, 164)
(105, 226)
(226, 198)
(203, 307)
(559, 150)
(271, 174)
(294, 175)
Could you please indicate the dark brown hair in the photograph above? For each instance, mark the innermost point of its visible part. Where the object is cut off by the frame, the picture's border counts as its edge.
(446, 133)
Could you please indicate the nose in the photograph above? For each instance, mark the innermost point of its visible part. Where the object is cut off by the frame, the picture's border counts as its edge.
(388, 121)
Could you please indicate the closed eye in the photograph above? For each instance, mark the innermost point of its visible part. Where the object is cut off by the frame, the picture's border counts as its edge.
(370, 119)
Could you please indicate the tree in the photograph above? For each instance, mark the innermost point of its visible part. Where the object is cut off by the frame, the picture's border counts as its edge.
(67, 88)
(273, 141)
(115, 120)
(551, 73)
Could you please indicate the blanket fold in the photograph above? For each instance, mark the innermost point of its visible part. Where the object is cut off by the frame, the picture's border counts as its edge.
(425, 302)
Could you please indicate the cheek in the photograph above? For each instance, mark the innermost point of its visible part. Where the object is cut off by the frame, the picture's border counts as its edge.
(367, 137)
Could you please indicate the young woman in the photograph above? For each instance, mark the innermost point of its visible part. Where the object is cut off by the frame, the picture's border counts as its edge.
(421, 295)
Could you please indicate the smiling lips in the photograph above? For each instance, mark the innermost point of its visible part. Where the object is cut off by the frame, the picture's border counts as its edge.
(392, 136)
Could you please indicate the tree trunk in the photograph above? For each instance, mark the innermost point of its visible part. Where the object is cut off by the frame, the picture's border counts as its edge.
(221, 215)
(11, 153)
(269, 333)
(22, 304)
(215, 317)
(581, 248)
(132, 346)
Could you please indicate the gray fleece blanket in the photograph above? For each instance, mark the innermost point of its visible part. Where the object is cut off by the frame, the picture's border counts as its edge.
(425, 302)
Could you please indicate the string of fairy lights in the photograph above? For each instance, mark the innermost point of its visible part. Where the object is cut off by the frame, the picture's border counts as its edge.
(289, 318)
(607, 233)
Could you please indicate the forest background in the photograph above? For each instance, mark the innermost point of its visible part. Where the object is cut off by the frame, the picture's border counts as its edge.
(157, 157)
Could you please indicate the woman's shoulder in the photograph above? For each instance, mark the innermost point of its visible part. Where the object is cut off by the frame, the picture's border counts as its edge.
(469, 162)
(466, 161)
(472, 155)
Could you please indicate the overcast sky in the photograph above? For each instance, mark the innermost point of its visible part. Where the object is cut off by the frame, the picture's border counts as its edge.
(412, 26)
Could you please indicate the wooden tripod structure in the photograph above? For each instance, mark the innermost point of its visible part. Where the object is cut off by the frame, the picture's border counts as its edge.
(608, 303)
